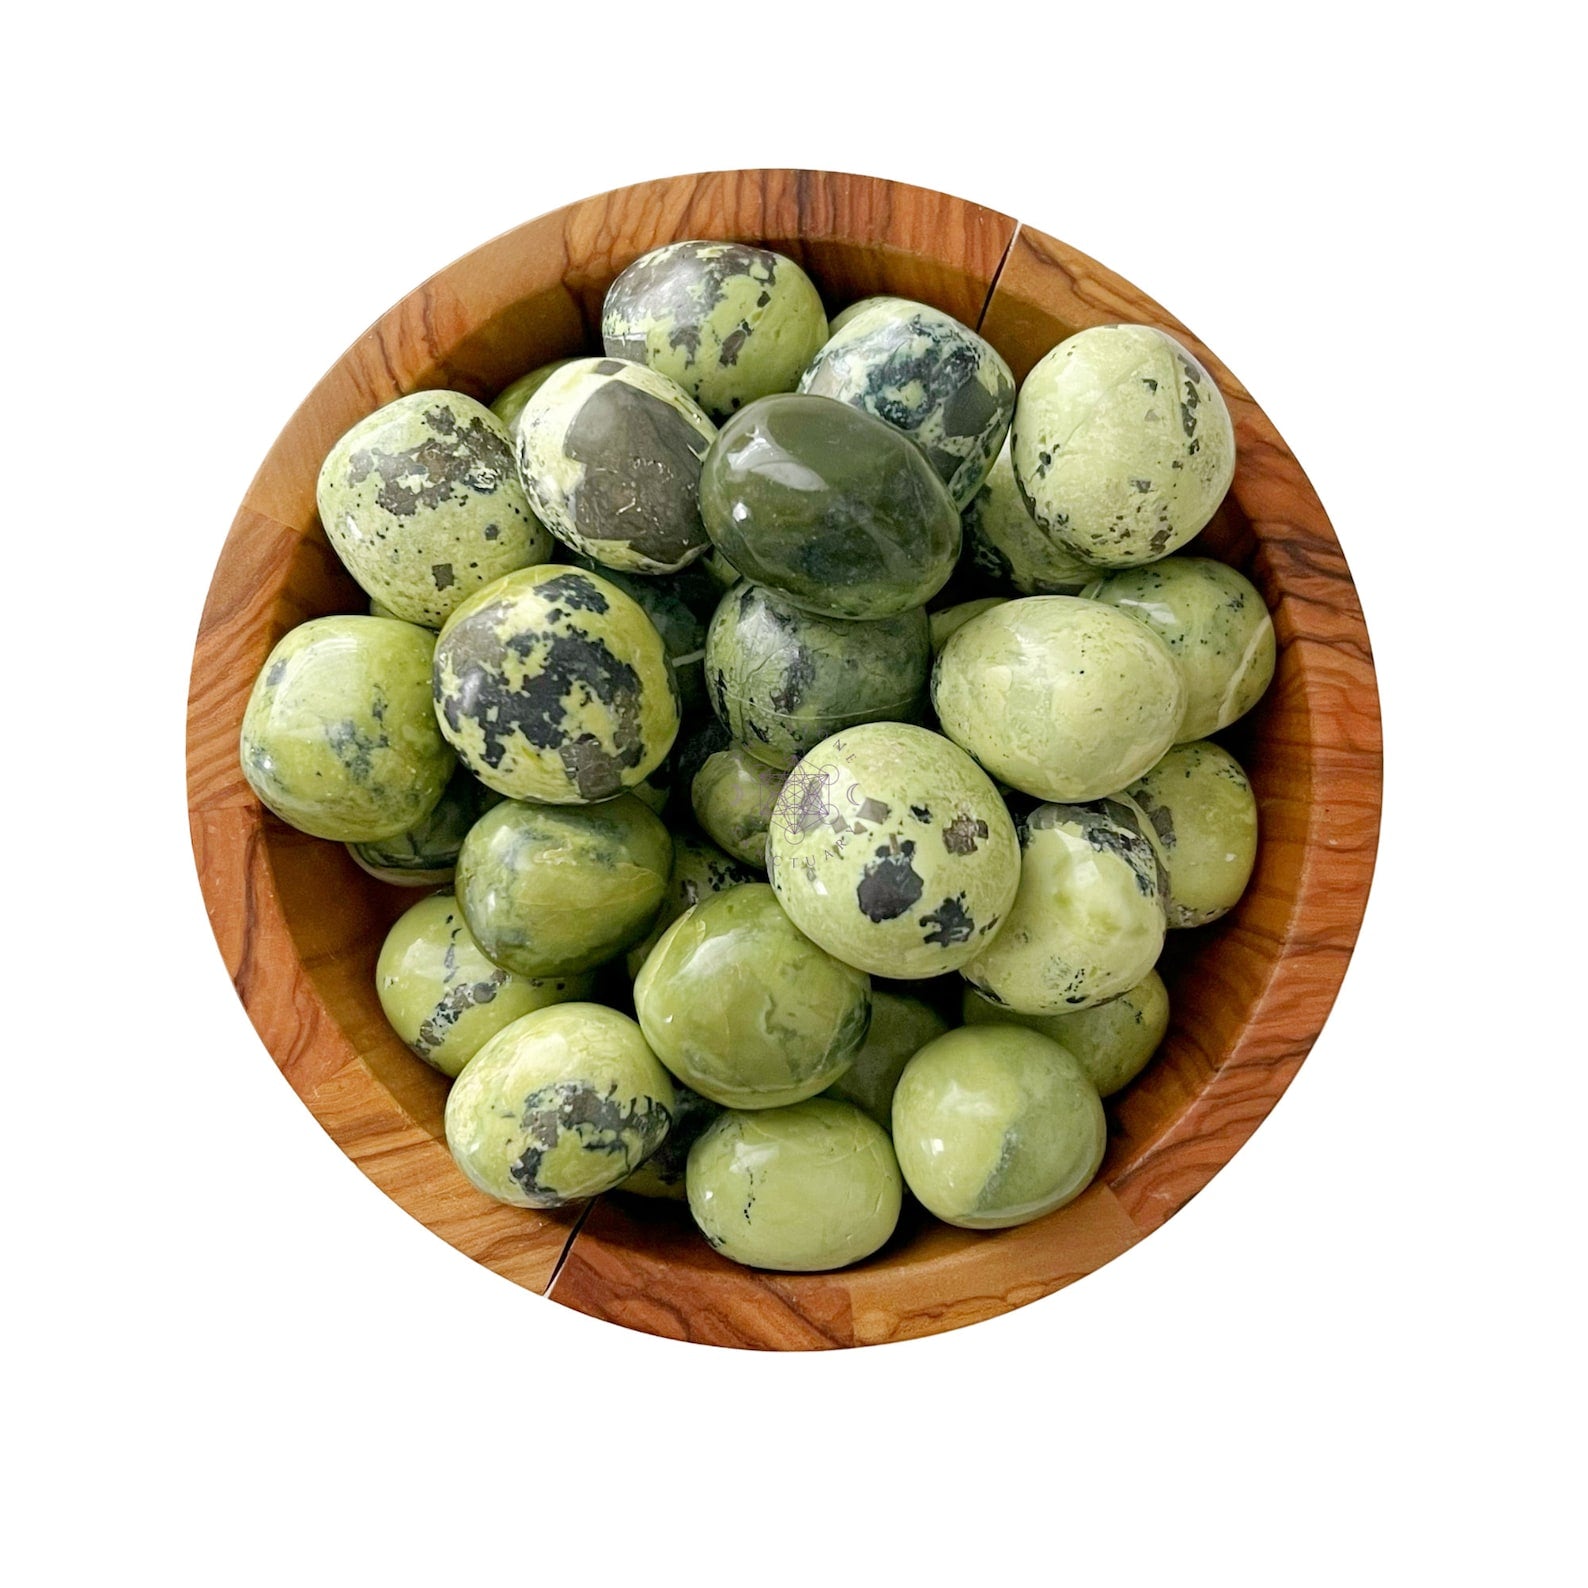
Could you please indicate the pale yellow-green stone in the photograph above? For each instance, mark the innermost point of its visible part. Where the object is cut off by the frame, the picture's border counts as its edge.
(699, 868)
(801, 1189)
(338, 737)
(1004, 542)
(560, 1105)
(900, 1027)
(442, 996)
(1203, 814)
(996, 1125)
(1113, 1041)
(1061, 698)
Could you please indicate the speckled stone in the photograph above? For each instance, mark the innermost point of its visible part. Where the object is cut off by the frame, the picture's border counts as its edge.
(1203, 815)
(782, 679)
(733, 797)
(423, 505)
(1088, 922)
(728, 322)
(338, 738)
(560, 1105)
(926, 374)
(699, 868)
(1122, 445)
(946, 622)
(683, 633)
(662, 1174)
(426, 854)
(443, 997)
(995, 1126)
(1061, 698)
(743, 1007)
(1006, 545)
(550, 890)
(836, 509)
(1113, 1041)
(508, 403)
(802, 1189)
(610, 454)
(892, 849)
(553, 685)
(1216, 627)
(900, 1027)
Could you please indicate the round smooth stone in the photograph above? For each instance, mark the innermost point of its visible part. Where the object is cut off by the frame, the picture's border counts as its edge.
(700, 868)
(1122, 445)
(802, 1189)
(782, 679)
(561, 1105)
(892, 849)
(1203, 815)
(844, 316)
(610, 453)
(946, 622)
(1113, 1041)
(683, 633)
(733, 796)
(549, 890)
(426, 854)
(728, 322)
(1088, 922)
(553, 685)
(1216, 627)
(443, 997)
(996, 1125)
(837, 509)
(741, 1005)
(423, 505)
(1007, 545)
(900, 1027)
(924, 373)
(662, 1174)
(1058, 697)
(338, 738)
(508, 403)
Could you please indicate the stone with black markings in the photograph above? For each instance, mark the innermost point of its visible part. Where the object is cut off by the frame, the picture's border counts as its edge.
(782, 679)
(422, 502)
(1006, 548)
(892, 849)
(924, 373)
(609, 453)
(553, 685)
(729, 322)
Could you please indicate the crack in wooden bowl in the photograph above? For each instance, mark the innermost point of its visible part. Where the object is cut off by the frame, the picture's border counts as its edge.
(299, 924)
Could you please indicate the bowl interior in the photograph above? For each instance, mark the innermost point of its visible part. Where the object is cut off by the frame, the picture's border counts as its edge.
(300, 924)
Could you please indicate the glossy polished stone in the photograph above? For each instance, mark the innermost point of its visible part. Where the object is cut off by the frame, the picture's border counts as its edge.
(1203, 816)
(900, 1027)
(1216, 627)
(553, 685)
(426, 854)
(1088, 921)
(924, 373)
(1113, 1041)
(338, 738)
(802, 1189)
(699, 869)
(893, 850)
(443, 997)
(782, 679)
(996, 1125)
(662, 1174)
(1007, 546)
(548, 890)
(835, 508)
(558, 1106)
(740, 1005)
(422, 503)
(733, 796)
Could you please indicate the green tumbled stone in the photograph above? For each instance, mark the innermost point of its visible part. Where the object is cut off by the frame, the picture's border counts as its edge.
(740, 1005)
(426, 854)
(700, 868)
(835, 508)
(900, 1027)
(733, 796)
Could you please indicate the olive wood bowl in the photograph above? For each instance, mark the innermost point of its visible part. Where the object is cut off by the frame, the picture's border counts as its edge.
(299, 925)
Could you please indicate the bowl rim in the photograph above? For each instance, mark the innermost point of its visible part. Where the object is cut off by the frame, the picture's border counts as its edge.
(617, 1262)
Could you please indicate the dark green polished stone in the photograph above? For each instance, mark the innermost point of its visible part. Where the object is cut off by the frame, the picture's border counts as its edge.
(835, 508)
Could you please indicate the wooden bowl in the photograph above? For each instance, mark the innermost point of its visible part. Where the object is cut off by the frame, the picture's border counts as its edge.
(299, 925)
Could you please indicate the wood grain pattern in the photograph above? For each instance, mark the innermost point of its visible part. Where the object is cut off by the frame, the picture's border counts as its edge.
(299, 925)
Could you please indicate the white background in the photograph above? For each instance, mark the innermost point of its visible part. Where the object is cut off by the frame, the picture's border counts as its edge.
(1352, 1358)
